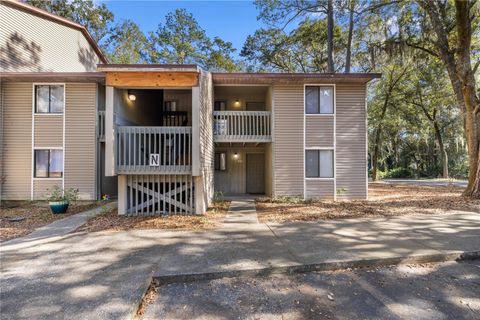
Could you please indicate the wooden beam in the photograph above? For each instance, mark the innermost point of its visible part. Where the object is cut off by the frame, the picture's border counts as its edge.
(151, 79)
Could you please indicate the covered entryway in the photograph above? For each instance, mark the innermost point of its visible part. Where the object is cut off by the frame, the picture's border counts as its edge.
(243, 170)
(255, 173)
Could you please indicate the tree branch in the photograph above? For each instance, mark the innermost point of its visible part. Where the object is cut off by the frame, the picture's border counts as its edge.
(475, 67)
(417, 46)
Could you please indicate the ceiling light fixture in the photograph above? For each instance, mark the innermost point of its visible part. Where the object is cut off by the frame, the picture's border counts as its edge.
(131, 96)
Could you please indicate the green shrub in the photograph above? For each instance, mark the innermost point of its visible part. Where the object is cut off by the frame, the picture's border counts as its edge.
(380, 173)
(398, 173)
(218, 196)
(57, 194)
(459, 170)
(290, 199)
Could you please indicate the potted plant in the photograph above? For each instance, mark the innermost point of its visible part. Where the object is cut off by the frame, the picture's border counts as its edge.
(59, 199)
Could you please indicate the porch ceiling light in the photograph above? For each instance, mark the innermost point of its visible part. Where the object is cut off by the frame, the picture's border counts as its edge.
(131, 96)
(235, 155)
(237, 102)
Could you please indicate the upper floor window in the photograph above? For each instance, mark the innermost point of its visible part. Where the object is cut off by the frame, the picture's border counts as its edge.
(319, 100)
(48, 163)
(49, 98)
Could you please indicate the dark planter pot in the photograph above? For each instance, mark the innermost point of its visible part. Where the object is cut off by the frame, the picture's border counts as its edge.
(58, 207)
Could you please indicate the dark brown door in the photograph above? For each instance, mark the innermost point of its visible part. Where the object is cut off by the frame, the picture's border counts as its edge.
(255, 173)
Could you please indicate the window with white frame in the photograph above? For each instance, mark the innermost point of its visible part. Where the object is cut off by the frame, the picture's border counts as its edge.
(48, 163)
(49, 98)
(319, 100)
(319, 163)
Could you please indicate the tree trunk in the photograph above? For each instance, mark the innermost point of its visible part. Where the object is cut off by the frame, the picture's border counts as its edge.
(476, 184)
(376, 151)
(350, 36)
(472, 130)
(330, 25)
(472, 103)
(378, 134)
(443, 152)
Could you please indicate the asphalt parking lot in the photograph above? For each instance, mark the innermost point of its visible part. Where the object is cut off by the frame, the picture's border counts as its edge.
(448, 290)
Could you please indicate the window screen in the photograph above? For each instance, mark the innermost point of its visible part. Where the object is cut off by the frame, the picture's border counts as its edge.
(311, 164)
(220, 161)
(48, 163)
(49, 98)
(319, 100)
(319, 163)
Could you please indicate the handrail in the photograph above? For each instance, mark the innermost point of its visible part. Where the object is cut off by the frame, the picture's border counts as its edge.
(242, 126)
(170, 148)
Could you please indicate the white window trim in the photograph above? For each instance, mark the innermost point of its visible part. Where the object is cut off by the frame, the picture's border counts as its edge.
(334, 115)
(49, 113)
(33, 148)
(320, 114)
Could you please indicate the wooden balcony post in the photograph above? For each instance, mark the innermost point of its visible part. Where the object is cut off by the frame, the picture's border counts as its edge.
(195, 131)
(122, 194)
(109, 133)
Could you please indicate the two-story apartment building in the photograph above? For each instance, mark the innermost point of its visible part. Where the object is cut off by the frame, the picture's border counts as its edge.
(164, 138)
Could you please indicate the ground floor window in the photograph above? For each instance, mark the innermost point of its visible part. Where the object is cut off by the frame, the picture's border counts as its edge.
(48, 163)
(319, 163)
(220, 161)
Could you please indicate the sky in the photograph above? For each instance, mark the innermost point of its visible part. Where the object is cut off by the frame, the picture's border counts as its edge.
(230, 20)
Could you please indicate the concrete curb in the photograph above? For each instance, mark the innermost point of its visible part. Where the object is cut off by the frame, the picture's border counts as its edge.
(323, 266)
(135, 305)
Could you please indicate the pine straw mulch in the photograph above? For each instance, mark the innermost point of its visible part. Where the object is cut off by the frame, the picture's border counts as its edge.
(114, 222)
(35, 213)
(384, 200)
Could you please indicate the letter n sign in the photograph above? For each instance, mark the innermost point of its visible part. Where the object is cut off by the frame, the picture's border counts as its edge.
(154, 159)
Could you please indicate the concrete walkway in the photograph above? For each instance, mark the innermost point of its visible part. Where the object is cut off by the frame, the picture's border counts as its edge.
(103, 275)
(58, 229)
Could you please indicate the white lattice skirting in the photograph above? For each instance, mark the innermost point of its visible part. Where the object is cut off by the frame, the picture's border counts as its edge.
(159, 194)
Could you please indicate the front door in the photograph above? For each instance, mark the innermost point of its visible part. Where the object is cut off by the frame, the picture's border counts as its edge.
(255, 173)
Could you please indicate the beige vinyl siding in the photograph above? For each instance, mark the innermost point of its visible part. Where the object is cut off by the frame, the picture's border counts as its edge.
(80, 144)
(319, 131)
(319, 188)
(207, 155)
(41, 187)
(351, 157)
(288, 139)
(1, 138)
(202, 142)
(48, 130)
(29, 43)
(17, 140)
(268, 169)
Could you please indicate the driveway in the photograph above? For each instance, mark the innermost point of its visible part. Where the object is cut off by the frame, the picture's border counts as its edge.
(429, 291)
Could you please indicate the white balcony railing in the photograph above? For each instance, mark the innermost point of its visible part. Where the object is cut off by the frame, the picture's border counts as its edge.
(101, 125)
(153, 150)
(242, 126)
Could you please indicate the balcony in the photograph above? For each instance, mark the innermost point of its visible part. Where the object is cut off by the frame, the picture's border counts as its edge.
(153, 150)
(242, 126)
